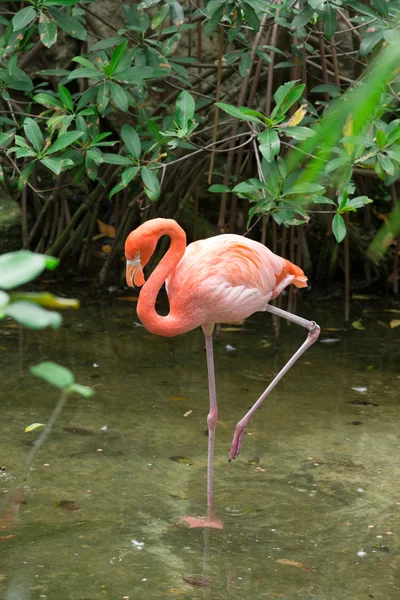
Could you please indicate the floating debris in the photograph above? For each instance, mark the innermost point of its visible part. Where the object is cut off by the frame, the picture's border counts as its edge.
(329, 340)
(198, 581)
(229, 348)
(360, 389)
(67, 504)
(292, 563)
(363, 403)
(361, 553)
(78, 431)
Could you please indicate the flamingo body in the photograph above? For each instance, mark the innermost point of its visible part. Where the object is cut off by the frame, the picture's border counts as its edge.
(220, 279)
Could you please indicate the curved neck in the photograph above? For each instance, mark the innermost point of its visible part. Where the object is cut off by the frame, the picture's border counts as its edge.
(146, 308)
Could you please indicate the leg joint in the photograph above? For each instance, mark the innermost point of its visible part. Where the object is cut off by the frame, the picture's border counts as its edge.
(314, 331)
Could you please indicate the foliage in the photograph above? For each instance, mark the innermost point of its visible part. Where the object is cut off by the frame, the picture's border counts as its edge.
(130, 114)
(17, 268)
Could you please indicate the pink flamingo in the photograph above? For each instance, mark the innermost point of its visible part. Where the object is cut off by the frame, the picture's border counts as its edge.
(220, 279)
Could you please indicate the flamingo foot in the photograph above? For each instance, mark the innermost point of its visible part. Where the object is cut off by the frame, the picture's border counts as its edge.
(237, 441)
(211, 522)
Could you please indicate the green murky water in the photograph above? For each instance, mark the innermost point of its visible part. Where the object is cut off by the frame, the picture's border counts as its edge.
(316, 484)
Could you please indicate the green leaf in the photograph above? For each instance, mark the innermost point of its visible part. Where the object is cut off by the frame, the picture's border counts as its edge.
(54, 374)
(394, 152)
(4, 300)
(103, 97)
(362, 8)
(236, 112)
(117, 159)
(305, 188)
(66, 98)
(5, 139)
(81, 60)
(285, 99)
(119, 96)
(215, 19)
(251, 16)
(33, 133)
(245, 64)
(380, 137)
(134, 74)
(171, 44)
(116, 56)
(89, 73)
(145, 4)
(129, 174)
(47, 100)
(151, 183)
(33, 316)
(249, 186)
(185, 107)
(107, 43)
(22, 266)
(177, 14)
(381, 6)
(219, 188)
(25, 174)
(329, 88)
(339, 228)
(336, 163)
(69, 24)
(117, 188)
(386, 164)
(358, 202)
(329, 18)
(160, 16)
(67, 139)
(82, 390)
(24, 152)
(45, 299)
(47, 30)
(298, 132)
(370, 41)
(23, 18)
(53, 164)
(131, 141)
(34, 426)
(270, 144)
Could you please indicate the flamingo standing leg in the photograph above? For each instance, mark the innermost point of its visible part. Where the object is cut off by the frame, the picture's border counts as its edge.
(210, 520)
(313, 334)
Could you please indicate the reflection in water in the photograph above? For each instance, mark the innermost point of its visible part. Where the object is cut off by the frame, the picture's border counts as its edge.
(310, 508)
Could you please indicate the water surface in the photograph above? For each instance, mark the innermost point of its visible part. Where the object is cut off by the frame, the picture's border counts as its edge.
(310, 508)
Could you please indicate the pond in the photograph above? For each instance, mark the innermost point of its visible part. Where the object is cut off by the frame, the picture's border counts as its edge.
(310, 508)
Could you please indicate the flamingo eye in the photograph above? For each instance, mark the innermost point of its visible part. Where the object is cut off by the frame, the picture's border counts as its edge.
(134, 261)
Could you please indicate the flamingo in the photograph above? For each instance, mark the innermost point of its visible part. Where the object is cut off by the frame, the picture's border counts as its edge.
(220, 279)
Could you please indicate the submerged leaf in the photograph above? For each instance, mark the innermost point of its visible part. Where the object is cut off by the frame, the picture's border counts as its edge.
(67, 504)
(34, 426)
(198, 581)
(359, 326)
(181, 459)
(292, 563)
(394, 323)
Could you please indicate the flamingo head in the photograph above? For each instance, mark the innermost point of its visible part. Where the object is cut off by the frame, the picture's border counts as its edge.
(139, 246)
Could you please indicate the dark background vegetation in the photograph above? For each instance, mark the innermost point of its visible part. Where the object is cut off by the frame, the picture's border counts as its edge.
(115, 113)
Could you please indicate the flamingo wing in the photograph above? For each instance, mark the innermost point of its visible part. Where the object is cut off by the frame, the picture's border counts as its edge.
(227, 278)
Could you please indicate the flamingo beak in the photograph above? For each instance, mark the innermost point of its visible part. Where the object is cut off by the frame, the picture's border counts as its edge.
(134, 272)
